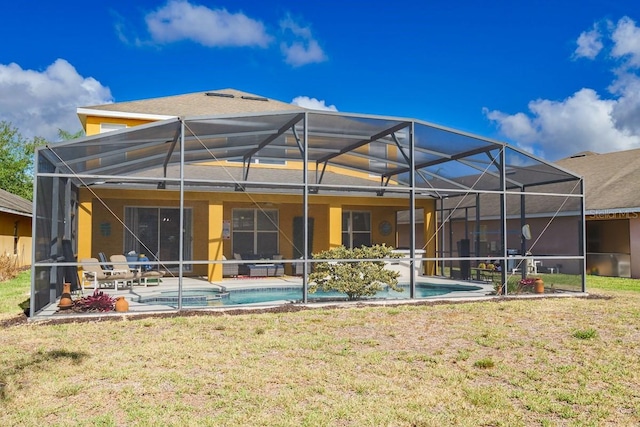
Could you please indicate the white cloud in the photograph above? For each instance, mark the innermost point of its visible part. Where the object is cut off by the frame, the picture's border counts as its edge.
(302, 48)
(557, 129)
(39, 103)
(312, 103)
(626, 39)
(589, 44)
(585, 120)
(180, 20)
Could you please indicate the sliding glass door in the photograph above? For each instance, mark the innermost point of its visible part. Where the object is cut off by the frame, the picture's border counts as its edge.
(155, 232)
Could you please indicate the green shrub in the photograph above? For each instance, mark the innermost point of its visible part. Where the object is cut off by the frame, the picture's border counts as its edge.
(354, 278)
(585, 334)
(485, 363)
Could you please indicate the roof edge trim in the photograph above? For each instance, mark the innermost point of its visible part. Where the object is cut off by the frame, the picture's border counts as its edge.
(121, 115)
(14, 212)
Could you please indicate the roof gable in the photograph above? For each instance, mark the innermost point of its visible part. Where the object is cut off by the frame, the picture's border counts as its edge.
(611, 179)
(223, 101)
(15, 204)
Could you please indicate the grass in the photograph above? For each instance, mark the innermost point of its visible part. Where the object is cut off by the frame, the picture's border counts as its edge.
(14, 294)
(512, 362)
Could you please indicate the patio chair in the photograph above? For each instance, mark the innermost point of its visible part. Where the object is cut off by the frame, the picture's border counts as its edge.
(94, 276)
(229, 270)
(103, 259)
(137, 275)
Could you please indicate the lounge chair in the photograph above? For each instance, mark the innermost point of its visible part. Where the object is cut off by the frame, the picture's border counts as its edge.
(138, 275)
(103, 261)
(94, 276)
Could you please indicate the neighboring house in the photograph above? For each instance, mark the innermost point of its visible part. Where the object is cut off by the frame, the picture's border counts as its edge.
(612, 200)
(235, 162)
(15, 227)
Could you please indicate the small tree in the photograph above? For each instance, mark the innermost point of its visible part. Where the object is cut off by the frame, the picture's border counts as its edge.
(16, 161)
(354, 278)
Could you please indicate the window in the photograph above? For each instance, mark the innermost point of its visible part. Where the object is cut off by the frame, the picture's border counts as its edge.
(356, 229)
(255, 232)
(108, 127)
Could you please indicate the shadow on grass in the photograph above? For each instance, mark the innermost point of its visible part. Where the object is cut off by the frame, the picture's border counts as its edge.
(40, 360)
(25, 306)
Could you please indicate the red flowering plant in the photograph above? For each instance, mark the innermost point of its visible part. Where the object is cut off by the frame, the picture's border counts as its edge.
(527, 284)
(98, 301)
(529, 281)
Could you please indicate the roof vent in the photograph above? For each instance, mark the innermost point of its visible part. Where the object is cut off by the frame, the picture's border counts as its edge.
(221, 95)
(583, 154)
(254, 98)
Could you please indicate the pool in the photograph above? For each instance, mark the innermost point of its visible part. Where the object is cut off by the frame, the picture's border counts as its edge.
(212, 297)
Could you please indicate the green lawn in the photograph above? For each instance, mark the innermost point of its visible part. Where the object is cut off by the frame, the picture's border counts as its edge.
(14, 294)
(533, 362)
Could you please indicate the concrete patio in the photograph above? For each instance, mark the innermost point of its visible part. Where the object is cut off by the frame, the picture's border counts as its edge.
(134, 294)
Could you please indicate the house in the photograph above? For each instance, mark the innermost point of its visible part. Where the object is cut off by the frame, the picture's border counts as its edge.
(612, 210)
(15, 227)
(197, 181)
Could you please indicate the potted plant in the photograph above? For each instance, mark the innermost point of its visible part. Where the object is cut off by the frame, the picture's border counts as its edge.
(538, 285)
(535, 284)
(97, 302)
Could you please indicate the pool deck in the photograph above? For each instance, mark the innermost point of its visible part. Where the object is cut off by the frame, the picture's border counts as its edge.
(168, 283)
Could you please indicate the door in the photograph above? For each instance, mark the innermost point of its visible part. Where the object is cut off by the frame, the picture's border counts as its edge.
(155, 232)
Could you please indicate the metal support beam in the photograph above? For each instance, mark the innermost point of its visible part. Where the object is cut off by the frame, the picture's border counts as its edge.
(172, 147)
(442, 160)
(412, 212)
(503, 218)
(305, 209)
(360, 143)
(383, 183)
(291, 123)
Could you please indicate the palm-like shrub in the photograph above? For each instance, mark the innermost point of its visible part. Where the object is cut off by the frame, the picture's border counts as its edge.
(354, 278)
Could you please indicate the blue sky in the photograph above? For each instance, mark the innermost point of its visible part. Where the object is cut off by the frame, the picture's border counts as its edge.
(551, 76)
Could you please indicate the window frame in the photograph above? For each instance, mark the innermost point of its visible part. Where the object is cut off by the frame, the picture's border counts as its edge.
(350, 232)
(256, 231)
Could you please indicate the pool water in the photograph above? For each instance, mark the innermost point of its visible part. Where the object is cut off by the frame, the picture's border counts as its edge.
(211, 297)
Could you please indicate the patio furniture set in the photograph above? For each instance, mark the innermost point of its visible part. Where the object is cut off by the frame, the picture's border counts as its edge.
(117, 274)
(252, 269)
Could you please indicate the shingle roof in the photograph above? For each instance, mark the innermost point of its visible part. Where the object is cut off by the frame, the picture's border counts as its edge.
(14, 204)
(223, 101)
(611, 180)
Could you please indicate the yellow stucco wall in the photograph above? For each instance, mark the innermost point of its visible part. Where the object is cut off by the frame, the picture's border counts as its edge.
(93, 123)
(101, 229)
(7, 232)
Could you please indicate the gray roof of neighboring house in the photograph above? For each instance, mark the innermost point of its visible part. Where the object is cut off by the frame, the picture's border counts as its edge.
(612, 181)
(14, 204)
(223, 101)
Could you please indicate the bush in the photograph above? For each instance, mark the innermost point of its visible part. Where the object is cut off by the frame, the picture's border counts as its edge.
(9, 267)
(585, 334)
(354, 278)
(98, 301)
(485, 363)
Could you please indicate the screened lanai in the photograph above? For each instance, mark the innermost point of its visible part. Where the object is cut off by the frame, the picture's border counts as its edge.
(202, 196)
